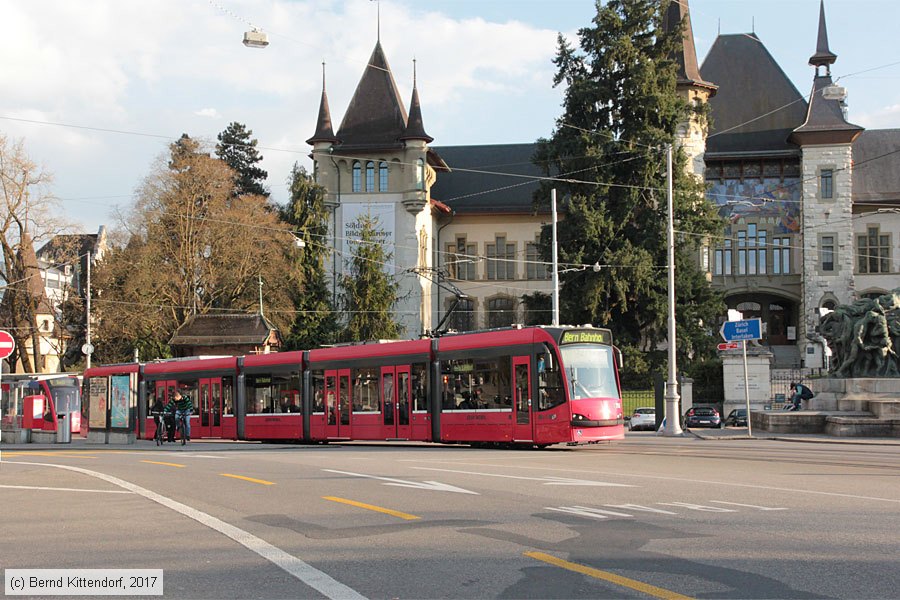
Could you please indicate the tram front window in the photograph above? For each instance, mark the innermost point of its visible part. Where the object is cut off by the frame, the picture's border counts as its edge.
(590, 371)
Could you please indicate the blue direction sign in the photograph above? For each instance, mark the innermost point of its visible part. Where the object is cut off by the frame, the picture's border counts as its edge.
(735, 331)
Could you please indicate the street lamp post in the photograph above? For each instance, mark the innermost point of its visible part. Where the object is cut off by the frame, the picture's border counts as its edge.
(673, 418)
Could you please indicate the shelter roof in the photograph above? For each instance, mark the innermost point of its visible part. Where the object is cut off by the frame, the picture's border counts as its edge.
(221, 330)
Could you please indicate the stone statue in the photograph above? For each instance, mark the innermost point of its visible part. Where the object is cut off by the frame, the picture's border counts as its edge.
(864, 337)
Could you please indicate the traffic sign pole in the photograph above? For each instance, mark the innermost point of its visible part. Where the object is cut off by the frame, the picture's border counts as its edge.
(747, 389)
(7, 345)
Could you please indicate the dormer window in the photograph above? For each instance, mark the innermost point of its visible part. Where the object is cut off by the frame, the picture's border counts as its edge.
(357, 176)
(370, 176)
(420, 174)
(382, 176)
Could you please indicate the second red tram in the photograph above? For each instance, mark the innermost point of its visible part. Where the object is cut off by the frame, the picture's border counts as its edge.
(533, 386)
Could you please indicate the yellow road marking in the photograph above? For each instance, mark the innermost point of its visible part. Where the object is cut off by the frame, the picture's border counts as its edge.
(387, 511)
(639, 586)
(167, 464)
(250, 479)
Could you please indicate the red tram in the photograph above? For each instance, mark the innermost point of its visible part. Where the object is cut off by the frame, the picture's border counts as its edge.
(532, 386)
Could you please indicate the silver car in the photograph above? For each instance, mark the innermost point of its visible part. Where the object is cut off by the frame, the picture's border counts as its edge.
(643, 418)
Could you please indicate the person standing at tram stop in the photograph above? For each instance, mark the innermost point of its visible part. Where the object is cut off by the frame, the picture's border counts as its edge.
(184, 406)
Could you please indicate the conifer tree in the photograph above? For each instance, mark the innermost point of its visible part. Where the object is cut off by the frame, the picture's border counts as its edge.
(238, 149)
(619, 111)
(315, 322)
(368, 293)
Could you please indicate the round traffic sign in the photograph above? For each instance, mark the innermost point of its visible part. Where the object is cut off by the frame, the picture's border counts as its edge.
(87, 349)
(7, 344)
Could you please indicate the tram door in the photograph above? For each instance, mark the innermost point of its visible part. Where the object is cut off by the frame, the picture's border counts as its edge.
(337, 403)
(210, 408)
(396, 401)
(522, 377)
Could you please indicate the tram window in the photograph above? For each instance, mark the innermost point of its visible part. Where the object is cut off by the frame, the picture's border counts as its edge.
(419, 379)
(550, 383)
(318, 392)
(188, 387)
(365, 390)
(227, 395)
(273, 393)
(590, 371)
(483, 384)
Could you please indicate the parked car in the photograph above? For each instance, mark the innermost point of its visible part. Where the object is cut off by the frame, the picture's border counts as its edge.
(643, 418)
(702, 416)
(737, 418)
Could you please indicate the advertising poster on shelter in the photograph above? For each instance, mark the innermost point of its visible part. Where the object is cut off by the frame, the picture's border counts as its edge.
(97, 402)
(120, 392)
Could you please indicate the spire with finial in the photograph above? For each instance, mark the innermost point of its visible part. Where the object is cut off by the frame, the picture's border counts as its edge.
(324, 130)
(679, 15)
(415, 128)
(823, 56)
(825, 122)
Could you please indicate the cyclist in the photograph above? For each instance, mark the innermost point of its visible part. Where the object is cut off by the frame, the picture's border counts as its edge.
(184, 408)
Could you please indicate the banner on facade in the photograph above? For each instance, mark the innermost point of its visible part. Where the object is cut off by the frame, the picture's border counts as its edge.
(383, 216)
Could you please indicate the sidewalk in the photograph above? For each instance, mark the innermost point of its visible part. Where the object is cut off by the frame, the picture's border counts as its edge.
(740, 433)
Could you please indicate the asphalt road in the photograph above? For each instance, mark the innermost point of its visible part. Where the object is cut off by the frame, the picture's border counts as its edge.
(647, 517)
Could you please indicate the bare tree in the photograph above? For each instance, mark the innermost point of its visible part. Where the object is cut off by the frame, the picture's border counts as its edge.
(193, 248)
(30, 215)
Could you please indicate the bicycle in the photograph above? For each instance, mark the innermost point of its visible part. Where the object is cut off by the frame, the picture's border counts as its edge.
(160, 436)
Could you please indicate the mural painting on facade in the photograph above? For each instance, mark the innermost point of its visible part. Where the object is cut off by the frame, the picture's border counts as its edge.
(864, 337)
(770, 202)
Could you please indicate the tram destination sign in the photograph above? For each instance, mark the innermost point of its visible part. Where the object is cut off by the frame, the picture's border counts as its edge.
(586, 336)
(736, 331)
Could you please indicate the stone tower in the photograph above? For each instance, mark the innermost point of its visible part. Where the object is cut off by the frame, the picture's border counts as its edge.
(826, 227)
(379, 163)
(690, 86)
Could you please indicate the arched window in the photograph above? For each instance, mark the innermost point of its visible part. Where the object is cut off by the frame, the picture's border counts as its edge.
(356, 176)
(382, 177)
(501, 312)
(420, 174)
(370, 176)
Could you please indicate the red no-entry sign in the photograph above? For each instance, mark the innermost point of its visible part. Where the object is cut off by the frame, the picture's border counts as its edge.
(7, 344)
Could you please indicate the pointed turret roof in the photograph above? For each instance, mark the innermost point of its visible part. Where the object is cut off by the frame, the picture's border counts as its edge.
(415, 128)
(686, 55)
(375, 117)
(324, 132)
(825, 122)
(823, 55)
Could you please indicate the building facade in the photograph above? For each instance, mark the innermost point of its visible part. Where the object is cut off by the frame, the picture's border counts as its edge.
(810, 201)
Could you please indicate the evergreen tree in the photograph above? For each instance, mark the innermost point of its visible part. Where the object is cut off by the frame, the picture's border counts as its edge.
(238, 149)
(620, 110)
(315, 322)
(368, 293)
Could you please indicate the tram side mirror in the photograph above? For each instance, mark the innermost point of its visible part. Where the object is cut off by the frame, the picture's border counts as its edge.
(618, 355)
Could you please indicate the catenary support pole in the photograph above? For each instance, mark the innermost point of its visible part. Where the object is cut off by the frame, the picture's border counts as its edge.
(673, 418)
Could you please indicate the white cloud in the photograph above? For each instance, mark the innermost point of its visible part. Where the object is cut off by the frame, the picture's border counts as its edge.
(884, 118)
(208, 112)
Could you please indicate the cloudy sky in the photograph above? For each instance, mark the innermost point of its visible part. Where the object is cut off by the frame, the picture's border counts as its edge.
(98, 88)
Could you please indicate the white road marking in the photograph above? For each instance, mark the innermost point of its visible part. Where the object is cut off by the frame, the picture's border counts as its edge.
(435, 486)
(700, 507)
(57, 489)
(749, 505)
(304, 572)
(678, 479)
(586, 511)
(642, 508)
(545, 480)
